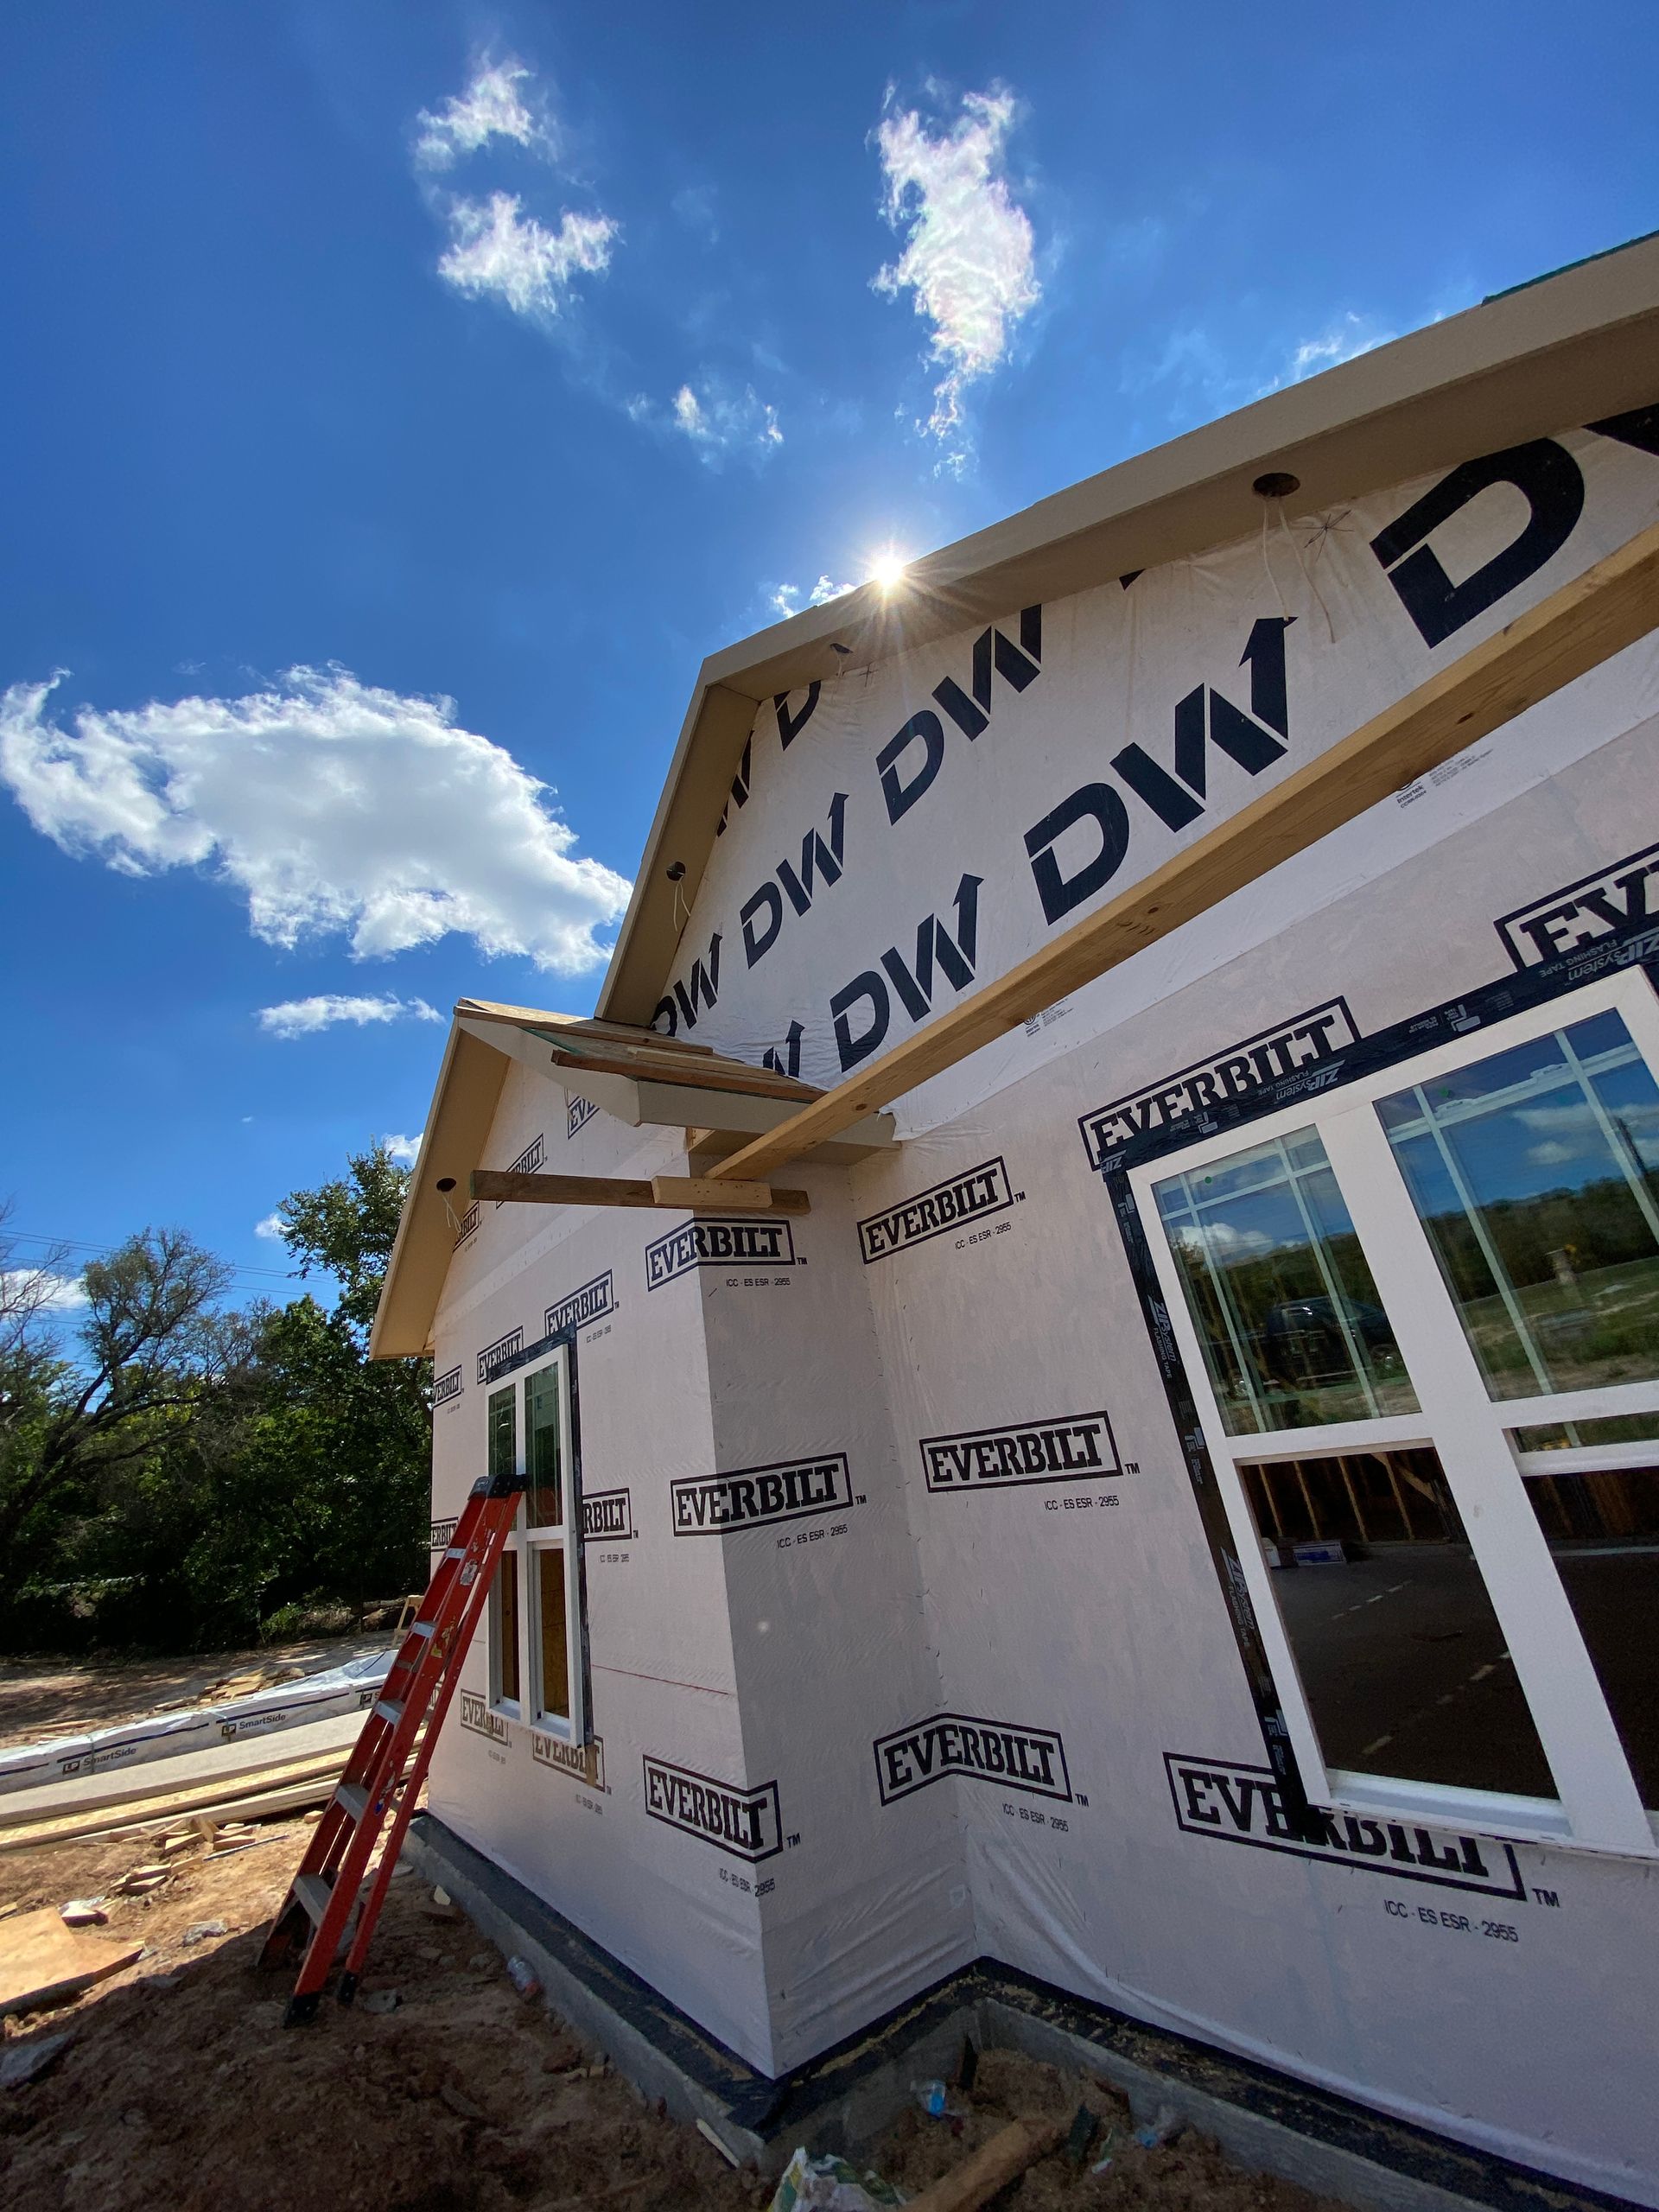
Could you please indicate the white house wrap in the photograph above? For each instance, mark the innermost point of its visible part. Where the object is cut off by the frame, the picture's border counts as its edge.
(915, 1579)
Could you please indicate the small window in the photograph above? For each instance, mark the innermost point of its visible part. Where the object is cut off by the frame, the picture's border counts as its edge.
(553, 1546)
(1420, 1319)
(504, 1644)
(535, 1602)
(501, 1459)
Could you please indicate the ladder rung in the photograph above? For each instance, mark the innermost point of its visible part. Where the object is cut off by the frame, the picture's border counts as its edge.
(353, 1797)
(314, 1893)
(389, 1708)
(456, 1551)
(422, 1628)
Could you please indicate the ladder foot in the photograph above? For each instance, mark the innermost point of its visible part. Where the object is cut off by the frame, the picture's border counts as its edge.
(301, 2010)
(346, 1992)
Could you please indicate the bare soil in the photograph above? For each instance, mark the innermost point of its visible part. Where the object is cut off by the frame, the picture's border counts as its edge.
(180, 2088)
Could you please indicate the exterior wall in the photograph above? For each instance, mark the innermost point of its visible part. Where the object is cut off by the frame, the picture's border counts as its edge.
(660, 1651)
(1077, 1622)
(833, 1643)
(1109, 1627)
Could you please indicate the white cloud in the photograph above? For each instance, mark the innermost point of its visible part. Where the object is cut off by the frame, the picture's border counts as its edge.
(1344, 340)
(335, 807)
(270, 1227)
(1572, 1129)
(1222, 1241)
(304, 1017)
(786, 600)
(404, 1150)
(490, 107)
(36, 1287)
(496, 249)
(968, 256)
(717, 422)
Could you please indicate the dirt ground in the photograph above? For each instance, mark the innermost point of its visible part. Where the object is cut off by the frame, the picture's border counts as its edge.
(181, 2089)
(43, 1698)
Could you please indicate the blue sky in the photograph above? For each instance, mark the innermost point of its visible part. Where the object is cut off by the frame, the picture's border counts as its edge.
(494, 365)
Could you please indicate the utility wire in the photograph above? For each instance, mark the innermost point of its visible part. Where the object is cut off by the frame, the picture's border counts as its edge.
(78, 1244)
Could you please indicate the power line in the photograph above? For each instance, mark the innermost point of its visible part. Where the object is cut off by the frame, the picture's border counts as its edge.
(80, 1244)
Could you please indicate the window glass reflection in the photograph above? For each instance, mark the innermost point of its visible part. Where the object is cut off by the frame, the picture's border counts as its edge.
(1294, 1332)
(506, 1628)
(1533, 1173)
(1400, 1656)
(550, 1614)
(1603, 1533)
(545, 1506)
(501, 1444)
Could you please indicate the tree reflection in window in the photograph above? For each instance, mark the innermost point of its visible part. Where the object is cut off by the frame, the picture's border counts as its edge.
(1294, 1332)
(1532, 1173)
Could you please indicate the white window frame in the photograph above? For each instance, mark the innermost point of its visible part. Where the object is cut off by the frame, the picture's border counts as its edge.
(564, 1537)
(1599, 1807)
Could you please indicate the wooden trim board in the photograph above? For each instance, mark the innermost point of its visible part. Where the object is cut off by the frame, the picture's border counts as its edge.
(1576, 629)
(240, 1790)
(676, 1192)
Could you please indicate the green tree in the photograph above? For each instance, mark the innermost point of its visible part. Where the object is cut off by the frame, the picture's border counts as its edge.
(354, 1434)
(150, 1347)
(173, 1473)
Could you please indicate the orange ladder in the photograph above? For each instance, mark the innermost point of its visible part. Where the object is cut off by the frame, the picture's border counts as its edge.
(389, 1761)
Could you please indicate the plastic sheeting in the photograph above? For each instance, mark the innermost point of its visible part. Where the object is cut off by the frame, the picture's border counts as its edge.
(955, 1715)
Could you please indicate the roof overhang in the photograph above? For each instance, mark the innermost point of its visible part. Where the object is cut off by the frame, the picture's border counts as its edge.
(640, 1078)
(1573, 347)
(457, 1129)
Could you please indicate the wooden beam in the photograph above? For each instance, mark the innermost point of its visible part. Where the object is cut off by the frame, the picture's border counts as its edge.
(1576, 629)
(733, 1076)
(736, 1197)
(675, 1192)
(621, 1032)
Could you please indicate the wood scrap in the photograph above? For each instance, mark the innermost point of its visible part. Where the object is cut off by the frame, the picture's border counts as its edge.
(250, 1843)
(991, 2167)
(43, 1962)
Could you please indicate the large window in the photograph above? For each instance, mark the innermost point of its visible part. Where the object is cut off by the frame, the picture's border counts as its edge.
(535, 1669)
(1421, 1319)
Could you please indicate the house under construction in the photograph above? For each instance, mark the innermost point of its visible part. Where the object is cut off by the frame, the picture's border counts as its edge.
(1082, 1324)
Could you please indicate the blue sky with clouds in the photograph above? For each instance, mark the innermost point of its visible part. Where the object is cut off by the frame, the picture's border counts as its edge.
(402, 399)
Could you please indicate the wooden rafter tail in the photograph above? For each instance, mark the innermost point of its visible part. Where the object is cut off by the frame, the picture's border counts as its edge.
(676, 1194)
(734, 1076)
(1584, 623)
(617, 1033)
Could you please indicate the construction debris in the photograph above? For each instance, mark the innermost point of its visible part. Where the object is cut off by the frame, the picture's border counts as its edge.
(43, 1961)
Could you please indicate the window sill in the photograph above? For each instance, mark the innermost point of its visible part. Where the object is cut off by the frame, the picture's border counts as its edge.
(1477, 1813)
